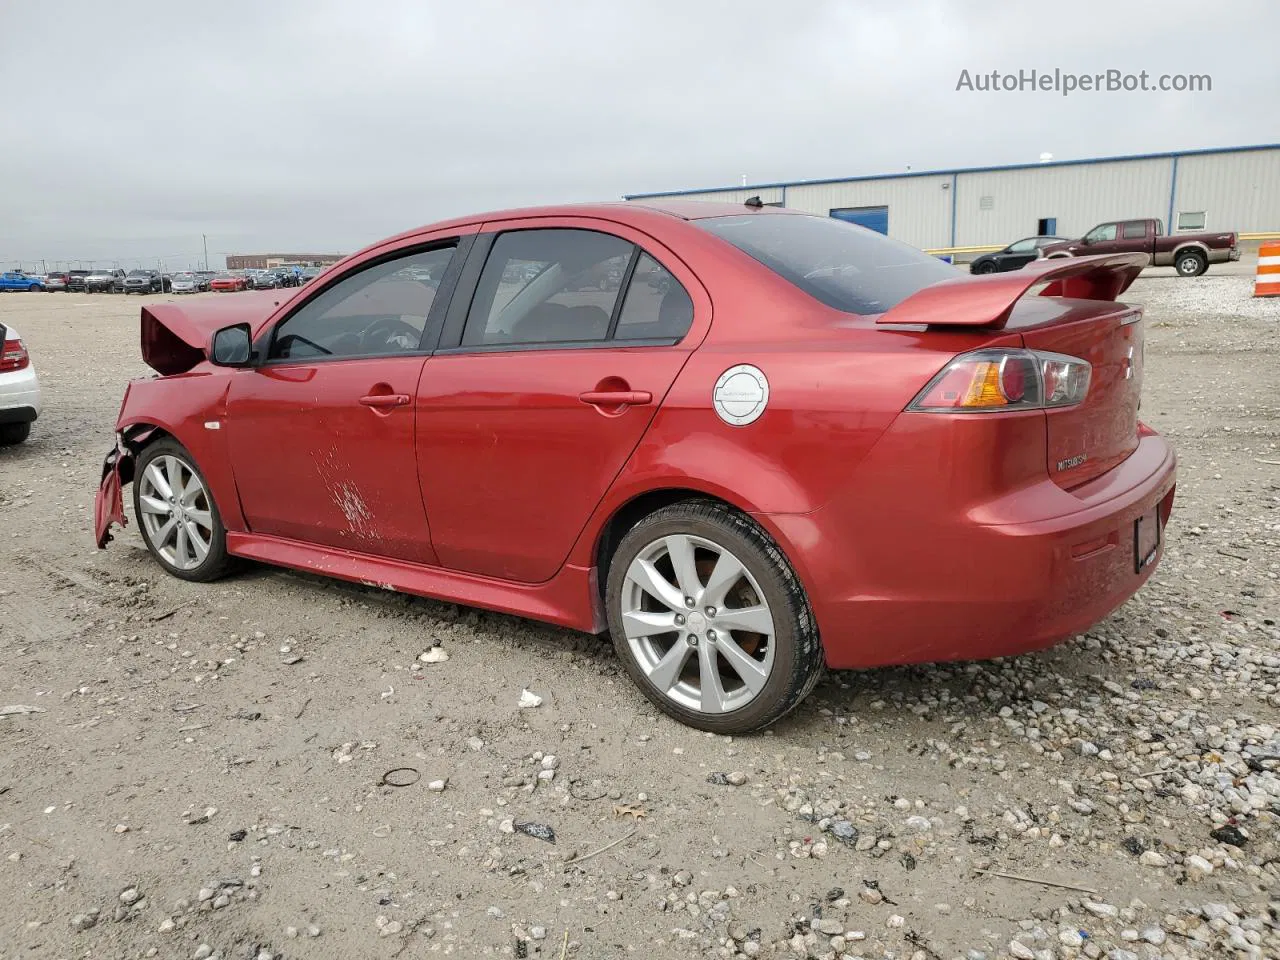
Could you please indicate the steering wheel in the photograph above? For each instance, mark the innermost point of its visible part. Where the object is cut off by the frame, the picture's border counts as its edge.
(385, 328)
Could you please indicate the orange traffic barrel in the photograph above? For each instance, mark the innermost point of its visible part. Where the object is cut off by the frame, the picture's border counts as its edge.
(1267, 283)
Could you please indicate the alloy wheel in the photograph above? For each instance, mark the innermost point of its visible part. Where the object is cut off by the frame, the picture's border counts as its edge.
(698, 624)
(175, 512)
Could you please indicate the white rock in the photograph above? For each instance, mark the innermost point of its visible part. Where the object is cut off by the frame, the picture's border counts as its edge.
(434, 655)
(438, 786)
(895, 921)
(529, 700)
(1150, 858)
(1020, 950)
(538, 933)
(1198, 867)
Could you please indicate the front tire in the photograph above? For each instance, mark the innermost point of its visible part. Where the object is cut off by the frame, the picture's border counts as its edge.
(177, 516)
(1191, 264)
(985, 266)
(710, 620)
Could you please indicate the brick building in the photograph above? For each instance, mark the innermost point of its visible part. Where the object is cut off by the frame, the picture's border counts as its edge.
(262, 261)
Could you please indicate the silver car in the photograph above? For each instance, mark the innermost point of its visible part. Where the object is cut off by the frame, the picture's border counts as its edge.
(185, 283)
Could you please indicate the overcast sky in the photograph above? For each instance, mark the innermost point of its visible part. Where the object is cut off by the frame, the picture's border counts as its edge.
(131, 128)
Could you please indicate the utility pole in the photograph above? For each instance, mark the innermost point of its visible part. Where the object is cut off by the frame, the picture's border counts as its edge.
(205, 240)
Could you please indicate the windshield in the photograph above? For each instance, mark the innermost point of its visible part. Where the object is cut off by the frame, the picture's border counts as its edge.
(844, 266)
(139, 273)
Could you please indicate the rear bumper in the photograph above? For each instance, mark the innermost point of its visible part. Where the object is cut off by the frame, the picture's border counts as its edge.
(1020, 576)
(19, 396)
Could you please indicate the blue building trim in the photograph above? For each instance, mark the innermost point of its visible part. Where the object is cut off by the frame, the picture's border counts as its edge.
(1173, 154)
(954, 178)
(1173, 193)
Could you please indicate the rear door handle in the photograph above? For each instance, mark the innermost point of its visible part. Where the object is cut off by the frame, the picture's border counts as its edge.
(615, 398)
(386, 400)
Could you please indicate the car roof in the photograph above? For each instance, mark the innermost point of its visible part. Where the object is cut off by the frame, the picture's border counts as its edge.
(630, 212)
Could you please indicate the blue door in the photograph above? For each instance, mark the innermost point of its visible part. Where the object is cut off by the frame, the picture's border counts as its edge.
(873, 218)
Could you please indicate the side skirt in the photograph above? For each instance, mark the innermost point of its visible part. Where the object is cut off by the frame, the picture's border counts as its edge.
(569, 599)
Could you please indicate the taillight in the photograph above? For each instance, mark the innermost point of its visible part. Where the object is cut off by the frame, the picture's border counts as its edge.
(14, 357)
(994, 380)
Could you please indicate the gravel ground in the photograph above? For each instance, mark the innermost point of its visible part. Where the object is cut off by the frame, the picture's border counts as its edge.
(204, 773)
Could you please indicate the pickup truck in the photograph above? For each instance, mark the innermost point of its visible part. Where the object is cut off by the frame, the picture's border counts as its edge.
(1188, 253)
(17, 280)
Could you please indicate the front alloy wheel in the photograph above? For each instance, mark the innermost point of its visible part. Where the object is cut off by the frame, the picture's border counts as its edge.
(177, 514)
(710, 620)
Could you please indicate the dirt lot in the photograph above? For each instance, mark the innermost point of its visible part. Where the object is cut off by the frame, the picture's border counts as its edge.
(203, 778)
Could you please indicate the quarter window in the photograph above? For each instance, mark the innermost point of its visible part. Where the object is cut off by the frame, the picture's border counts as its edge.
(1135, 231)
(657, 307)
(379, 311)
(547, 286)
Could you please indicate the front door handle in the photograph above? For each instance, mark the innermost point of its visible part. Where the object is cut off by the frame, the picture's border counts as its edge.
(383, 400)
(616, 398)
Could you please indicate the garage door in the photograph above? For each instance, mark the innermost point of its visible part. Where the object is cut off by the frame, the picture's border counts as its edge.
(873, 218)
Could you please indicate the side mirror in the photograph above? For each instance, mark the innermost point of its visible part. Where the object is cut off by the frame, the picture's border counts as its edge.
(232, 346)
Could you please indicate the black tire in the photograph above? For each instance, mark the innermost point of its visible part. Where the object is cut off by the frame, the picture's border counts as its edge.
(1190, 263)
(986, 266)
(217, 563)
(11, 433)
(798, 660)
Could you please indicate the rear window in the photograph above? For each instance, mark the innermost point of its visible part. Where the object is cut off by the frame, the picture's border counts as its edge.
(844, 266)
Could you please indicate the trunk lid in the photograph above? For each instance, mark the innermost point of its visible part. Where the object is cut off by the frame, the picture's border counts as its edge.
(1076, 315)
(1088, 439)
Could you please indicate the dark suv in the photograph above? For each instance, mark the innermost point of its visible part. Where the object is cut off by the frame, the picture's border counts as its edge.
(143, 281)
(75, 280)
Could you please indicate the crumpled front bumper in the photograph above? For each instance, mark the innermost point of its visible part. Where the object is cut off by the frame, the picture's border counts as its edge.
(108, 506)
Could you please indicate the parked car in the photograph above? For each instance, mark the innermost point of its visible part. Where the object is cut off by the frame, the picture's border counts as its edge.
(851, 467)
(265, 280)
(55, 281)
(228, 282)
(75, 280)
(206, 278)
(19, 388)
(287, 276)
(17, 280)
(143, 281)
(307, 274)
(185, 283)
(1188, 253)
(1013, 257)
(104, 280)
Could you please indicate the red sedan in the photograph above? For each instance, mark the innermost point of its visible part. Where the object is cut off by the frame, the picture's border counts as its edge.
(229, 283)
(747, 442)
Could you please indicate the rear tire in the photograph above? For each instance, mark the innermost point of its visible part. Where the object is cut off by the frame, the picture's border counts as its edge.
(11, 433)
(708, 670)
(1191, 263)
(182, 527)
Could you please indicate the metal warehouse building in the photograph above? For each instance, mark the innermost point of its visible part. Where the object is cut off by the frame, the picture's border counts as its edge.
(1232, 188)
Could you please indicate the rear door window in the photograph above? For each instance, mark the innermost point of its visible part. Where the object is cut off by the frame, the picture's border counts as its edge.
(657, 306)
(1135, 230)
(547, 286)
(841, 265)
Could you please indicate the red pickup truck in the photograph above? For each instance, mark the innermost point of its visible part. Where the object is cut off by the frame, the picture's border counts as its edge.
(1188, 253)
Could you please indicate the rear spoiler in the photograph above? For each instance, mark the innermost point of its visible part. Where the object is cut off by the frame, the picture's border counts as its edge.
(987, 300)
